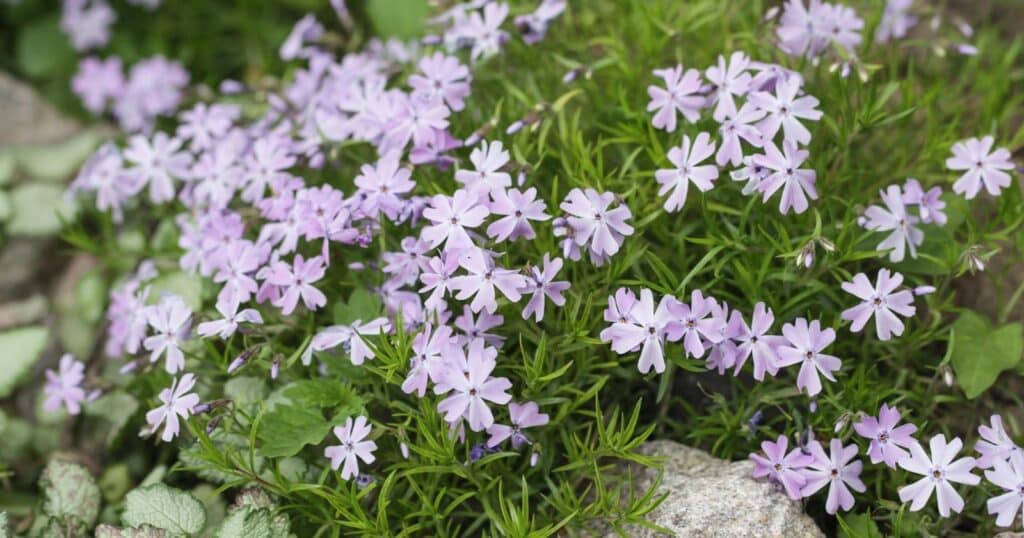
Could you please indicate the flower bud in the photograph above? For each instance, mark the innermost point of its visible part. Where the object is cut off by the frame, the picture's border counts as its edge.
(404, 449)
(924, 290)
(534, 458)
(212, 425)
(275, 369)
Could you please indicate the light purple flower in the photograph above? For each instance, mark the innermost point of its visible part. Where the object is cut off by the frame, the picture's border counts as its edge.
(785, 110)
(679, 95)
(699, 326)
(542, 285)
(995, 443)
(297, 282)
(881, 302)
(981, 165)
(737, 126)
(896, 20)
(939, 471)
(1009, 475)
(354, 447)
(436, 278)
(647, 327)
(306, 30)
(782, 468)
(156, 164)
(729, 80)
(484, 30)
(754, 342)
(429, 348)
(442, 77)
(887, 439)
(64, 387)
(472, 389)
(415, 120)
(171, 321)
(98, 81)
(929, 204)
(348, 336)
(450, 217)
(523, 416)
(225, 327)
(178, 401)
(835, 469)
(534, 25)
(477, 328)
(687, 159)
(751, 172)
(204, 125)
(87, 23)
(797, 183)
(806, 341)
(488, 158)
(518, 208)
(894, 218)
(382, 184)
(592, 218)
(483, 278)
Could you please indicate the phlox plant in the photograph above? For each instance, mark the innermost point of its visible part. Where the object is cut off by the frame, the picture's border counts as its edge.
(447, 287)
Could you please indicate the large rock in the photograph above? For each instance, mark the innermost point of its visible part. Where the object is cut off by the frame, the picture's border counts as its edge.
(709, 497)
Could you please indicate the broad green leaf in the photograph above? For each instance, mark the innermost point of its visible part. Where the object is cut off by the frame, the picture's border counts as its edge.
(361, 305)
(163, 507)
(979, 353)
(71, 494)
(39, 209)
(116, 408)
(145, 531)
(323, 392)
(858, 526)
(180, 283)
(57, 161)
(43, 49)
(286, 429)
(22, 348)
(252, 522)
(403, 19)
(115, 482)
(245, 390)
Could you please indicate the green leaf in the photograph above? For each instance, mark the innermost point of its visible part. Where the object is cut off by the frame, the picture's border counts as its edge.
(286, 429)
(56, 161)
(116, 408)
(39, 209)
(361, 305)
(858, 526)
(160, 506)
(145, 531)
(22, 348)
(43, 49)
(322, 393)
(979, 353)
(71, 494)
(252, 522)
(5, 206)
(403, 19)
(245, 390)
(184, 285)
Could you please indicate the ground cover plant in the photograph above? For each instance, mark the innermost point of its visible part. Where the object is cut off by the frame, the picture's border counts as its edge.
(446, 286)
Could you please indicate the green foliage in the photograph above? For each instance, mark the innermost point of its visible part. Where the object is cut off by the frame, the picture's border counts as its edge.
(286, 429)
(22, 348)
(162, 507)
(71, 496)
(980, 352)
(403, 19)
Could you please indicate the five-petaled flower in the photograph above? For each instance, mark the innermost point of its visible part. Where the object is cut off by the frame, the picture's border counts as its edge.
(880, 301)
(785, 469)
(64, 387)
(939, 471)
(354, 447)
(835, 469)
(522, 416)
(469, 379)
(178, 401)
(680, 95)
(888, 440)
(687, 158)
(982, 167)
(806, 341)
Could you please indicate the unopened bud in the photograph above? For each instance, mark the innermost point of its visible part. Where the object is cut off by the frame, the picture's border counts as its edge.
(404, 449)
(924, 290)
(275, 369)
(534, 458)
(515, 127)
(947, 376)
(212, 425)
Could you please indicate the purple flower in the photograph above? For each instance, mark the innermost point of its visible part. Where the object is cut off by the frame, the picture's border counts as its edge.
(886, 437)
(472, 387)
(592, 219)
(382, 184)
(518, 208)
(523, 416)
(436, 278)
(178, 401)
(982, 166)
(806, 341)
(98, 81)
(896, 21)
(442, 77)
(349, 336)
(415, 120)
(476, 328)
(679, 95)
(487, 159)
(171, 321)
(784, 110)
(450, 217)
(224, 328)
(483, 278)
(297, 282)
(428, 362)
(754, 342)
(894, 218)
(929, 204)
(241, 259)
(938, 470)
(688, 169)
(542, 285)
(809, 31)
(156, 164)
(1009, 475)
(64, 387)
(87, 23)
(534, 26)
(648, 327)
(729, 80)
(266, 166)
(995, 443)
(797, 183)
(353, 447)
(751, 172)
(306, 30)
(880, 302)
(782, 468)
(835, 469)
(699, 326)
(204, 125)
(736, 126)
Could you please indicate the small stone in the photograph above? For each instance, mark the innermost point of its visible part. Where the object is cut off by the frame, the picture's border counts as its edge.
(709, 497)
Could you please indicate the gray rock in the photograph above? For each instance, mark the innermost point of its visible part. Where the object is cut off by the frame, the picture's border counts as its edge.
(28, 119)
(709, 497)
